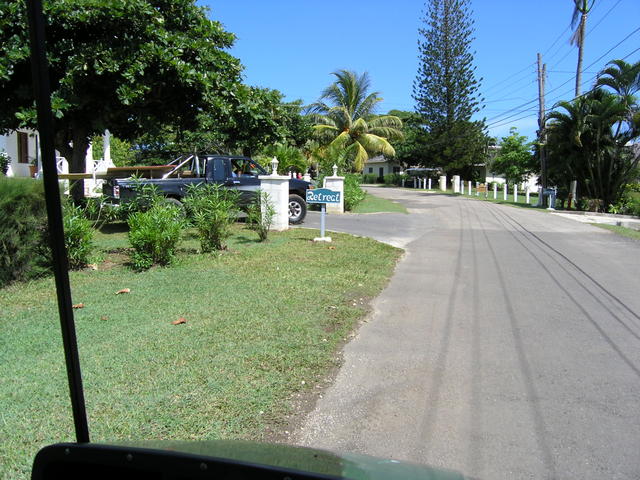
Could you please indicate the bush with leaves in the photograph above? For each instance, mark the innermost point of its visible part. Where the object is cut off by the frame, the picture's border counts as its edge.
(24, 247)
(353, 193)
(155, 235)
(213, 209)
(5, 161)
(369, 178)
(146, 197)
(78, 236)
(100, 211)
(260, 215)
(392, 179)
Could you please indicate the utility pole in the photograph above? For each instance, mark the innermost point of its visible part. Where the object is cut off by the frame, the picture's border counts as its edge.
(542, 74)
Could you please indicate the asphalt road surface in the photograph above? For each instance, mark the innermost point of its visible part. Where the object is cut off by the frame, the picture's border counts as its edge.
(506, 346)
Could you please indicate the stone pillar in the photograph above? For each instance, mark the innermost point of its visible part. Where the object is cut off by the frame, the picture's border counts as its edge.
(495, 191)
(429, 183)
(443, 183)
(277, 188)
(469, 187)
(456, 184)
(335, 183)
(515, 192)
(527, 195)
(504, 194)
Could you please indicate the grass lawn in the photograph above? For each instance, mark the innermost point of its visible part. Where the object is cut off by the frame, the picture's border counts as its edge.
(373, 204)
(509, 201)
(264, 322)
(624, 231)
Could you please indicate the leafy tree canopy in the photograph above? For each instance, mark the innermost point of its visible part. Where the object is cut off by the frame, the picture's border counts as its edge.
(412, 148)
(122, 65)
(515, 160)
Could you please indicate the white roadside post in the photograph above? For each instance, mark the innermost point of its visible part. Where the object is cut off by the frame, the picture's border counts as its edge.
(277, 188)
(477, 186)
(462, 187)
(515, 192)
(527, 195)
(504, 191)
(429, 184)
(456, 184)
(443, 183)
(336, 184)
(469, 187)
(495, 191)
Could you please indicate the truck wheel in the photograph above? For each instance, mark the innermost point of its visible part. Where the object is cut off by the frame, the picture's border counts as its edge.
(297, 209)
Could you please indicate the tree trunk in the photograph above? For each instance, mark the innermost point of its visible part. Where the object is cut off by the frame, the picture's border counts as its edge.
(75, 152)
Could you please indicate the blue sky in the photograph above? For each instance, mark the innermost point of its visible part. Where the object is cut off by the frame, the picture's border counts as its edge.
(293, 46)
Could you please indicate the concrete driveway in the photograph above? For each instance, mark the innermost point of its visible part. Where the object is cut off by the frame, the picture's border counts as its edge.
(506, 346)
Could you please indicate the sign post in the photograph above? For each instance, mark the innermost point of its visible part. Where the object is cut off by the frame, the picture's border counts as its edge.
(323, 196)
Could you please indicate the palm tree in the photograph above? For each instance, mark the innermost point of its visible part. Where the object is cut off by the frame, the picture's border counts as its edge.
(581, 9)
(345, 121)
(624, 79)
(582, 137)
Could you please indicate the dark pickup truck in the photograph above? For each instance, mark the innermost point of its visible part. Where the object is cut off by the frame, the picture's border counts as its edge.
(240, 173)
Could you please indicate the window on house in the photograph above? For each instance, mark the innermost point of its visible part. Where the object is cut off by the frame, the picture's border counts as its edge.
(396, 169)
(23, 147)
(370, 169)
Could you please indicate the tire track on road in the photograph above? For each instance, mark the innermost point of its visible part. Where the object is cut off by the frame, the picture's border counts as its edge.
(589, 277)
(432, 400)
(559, 284)
(540, 429)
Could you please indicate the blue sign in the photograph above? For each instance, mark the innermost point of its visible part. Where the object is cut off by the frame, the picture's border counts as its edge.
(323, 195)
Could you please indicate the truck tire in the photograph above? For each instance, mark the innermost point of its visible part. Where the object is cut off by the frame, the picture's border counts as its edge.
(297, 209)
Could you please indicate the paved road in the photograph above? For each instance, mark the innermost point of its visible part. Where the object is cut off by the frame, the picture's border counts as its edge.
(506, 346)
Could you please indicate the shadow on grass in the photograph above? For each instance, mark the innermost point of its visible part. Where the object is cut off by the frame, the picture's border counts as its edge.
(115, 227)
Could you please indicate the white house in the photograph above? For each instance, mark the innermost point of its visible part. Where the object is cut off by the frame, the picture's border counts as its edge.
(23, 148)
(380, 165)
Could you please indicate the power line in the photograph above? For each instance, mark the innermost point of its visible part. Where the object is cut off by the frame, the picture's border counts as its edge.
(605, 16)
(569, 80)
(508, 78)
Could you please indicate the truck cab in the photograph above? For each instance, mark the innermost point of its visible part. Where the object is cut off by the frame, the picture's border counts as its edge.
(237, 172)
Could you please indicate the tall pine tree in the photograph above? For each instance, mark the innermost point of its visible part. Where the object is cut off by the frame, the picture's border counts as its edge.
(446, 90)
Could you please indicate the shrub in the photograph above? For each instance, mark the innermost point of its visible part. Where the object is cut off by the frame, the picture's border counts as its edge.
(353, 193)
(260, 215)
(393, 179)
(100, 211)
(212, 209)
(24, 247)
(5, 160)
(146, 197)
(369, 178)
(78, 236)
(154, 235)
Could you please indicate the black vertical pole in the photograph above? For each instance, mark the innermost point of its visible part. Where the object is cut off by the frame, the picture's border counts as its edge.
(39, 69)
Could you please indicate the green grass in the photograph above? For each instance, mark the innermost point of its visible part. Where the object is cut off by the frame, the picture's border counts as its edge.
(264, 321)
(509, 201)
(623, 231)
(373, 204)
